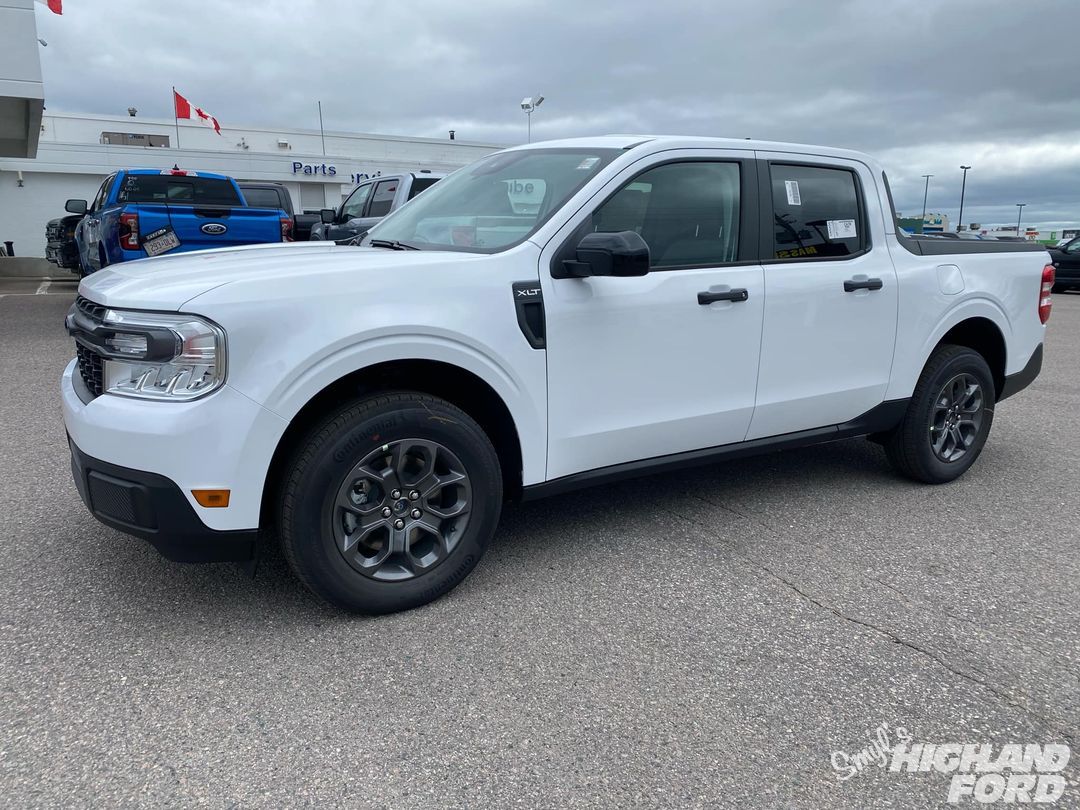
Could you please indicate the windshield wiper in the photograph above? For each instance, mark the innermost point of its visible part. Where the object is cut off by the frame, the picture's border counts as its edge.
(391, 244)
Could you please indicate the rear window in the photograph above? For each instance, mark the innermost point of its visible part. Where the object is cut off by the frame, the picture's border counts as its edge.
(817, 213)
(420, 184)
(178, 190)
(383, 198)
(261, 197)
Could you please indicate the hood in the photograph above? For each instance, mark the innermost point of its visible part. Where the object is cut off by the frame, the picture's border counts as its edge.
(169, 282)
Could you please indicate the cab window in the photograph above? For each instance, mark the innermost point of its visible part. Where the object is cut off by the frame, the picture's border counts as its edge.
(687, 213)
(817, 212)
(354, 206)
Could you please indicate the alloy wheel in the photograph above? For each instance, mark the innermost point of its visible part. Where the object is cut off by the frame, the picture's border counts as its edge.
(956, 418)
(402, 509)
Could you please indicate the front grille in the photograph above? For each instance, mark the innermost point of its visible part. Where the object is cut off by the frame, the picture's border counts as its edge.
(91, 366)
(89, 308)
(91, 369)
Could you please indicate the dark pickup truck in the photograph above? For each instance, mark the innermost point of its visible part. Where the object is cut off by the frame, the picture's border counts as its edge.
(1066, 259)
(60, 246)
(275, 195)
(369, 202)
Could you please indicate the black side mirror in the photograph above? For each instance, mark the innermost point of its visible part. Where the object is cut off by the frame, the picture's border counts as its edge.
(609, 254)
(327, 215)
(75, 206)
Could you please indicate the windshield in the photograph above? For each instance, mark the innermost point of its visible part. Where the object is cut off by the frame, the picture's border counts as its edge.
(494, 203)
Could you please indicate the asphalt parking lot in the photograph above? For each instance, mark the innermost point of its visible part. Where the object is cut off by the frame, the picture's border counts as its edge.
(704, 639)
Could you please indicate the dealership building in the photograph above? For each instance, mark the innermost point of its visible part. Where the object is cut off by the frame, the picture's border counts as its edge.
(74, 153)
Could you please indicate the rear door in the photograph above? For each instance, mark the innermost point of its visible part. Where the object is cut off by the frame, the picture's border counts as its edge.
(830, 296)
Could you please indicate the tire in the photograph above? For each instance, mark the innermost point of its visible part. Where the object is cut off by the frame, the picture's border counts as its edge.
(339, 486)
(924, 446)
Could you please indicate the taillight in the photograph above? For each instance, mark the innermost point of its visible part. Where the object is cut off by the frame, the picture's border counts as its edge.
(286, 229)
(129, 231)
(1044, 293)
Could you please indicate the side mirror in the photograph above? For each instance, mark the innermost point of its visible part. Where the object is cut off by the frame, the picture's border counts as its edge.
(609, 254)
(75, 206)
(327, 215)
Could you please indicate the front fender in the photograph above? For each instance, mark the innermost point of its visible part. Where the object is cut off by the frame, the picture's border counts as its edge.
(516, 388)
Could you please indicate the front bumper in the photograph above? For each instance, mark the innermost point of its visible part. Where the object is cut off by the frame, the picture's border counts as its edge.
(152, 507)
(222, 441)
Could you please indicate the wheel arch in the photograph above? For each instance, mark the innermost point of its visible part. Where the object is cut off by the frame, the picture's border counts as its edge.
(985, 337)
(455, 384)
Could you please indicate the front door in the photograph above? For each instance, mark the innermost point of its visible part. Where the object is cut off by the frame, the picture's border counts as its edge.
(830, 300)
(663, 363)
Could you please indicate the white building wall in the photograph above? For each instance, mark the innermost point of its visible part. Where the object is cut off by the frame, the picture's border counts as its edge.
(71, 163)
(21, 92)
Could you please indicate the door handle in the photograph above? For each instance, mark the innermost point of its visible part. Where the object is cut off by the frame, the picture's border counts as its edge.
(851, 285)
(705, 298)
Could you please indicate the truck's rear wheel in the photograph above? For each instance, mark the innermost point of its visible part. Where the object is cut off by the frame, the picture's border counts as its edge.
(948, 419)
(390, 503)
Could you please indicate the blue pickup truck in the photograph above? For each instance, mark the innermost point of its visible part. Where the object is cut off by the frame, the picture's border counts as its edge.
(148, 212)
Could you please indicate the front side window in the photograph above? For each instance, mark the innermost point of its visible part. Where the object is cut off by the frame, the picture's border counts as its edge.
(495, 203)
(383, 198)
(103, 194)
(354, 206)
(1073, 246)
(816, 213)
(687, 213)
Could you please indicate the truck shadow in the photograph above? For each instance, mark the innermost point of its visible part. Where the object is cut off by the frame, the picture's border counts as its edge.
(547, 533)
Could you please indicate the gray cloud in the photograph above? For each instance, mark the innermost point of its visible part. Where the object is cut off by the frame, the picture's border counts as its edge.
(925, 88)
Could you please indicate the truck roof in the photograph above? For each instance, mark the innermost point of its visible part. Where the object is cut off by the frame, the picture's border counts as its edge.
(179, 173)
(654, 143)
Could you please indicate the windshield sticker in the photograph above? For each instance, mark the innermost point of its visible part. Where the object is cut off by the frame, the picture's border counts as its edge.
(841, 229)
(793, 196)
(588, 163)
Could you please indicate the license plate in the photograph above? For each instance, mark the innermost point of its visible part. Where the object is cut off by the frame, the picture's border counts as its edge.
(160, 241)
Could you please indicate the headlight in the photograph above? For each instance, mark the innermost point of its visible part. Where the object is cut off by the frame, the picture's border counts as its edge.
(150, 355)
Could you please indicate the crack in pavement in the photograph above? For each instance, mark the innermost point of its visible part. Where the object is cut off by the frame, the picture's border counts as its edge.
(998, 692)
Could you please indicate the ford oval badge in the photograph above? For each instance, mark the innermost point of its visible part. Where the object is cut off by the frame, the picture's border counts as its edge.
(213, 228)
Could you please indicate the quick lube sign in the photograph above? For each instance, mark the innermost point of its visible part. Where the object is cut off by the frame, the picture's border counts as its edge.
(328, 170)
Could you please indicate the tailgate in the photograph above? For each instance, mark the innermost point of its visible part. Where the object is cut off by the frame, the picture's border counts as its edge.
(209, 227)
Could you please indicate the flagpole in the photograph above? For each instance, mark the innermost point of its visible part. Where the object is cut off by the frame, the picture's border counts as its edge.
(322, 134)
(176, 121)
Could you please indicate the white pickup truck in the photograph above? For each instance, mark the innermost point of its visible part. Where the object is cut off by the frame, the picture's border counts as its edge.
(552, 316)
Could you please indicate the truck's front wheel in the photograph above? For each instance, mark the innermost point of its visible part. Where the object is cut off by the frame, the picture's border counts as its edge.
(948, 418)
(390, 503)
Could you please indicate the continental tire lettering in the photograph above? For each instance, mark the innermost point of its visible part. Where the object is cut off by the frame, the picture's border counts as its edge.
(371, 434)
(452, 580)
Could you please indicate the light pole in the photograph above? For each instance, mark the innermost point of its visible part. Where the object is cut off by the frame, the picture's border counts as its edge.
(963, 186)
(1019, 214)
(528, 105)
(926, 191)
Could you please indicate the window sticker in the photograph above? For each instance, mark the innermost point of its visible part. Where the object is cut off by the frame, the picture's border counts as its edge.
(842, 229)
(793, 196)
(588, 163)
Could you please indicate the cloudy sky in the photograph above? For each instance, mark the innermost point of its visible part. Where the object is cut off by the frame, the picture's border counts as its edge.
(923, 86)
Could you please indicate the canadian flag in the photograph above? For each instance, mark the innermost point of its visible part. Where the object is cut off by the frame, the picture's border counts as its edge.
(185, 109)
(54, 5)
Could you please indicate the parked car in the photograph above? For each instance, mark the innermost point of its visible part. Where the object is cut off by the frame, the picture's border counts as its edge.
(275, 195)
(60, 246)
(557, 315)
(1066, 261)
(369, 202)
(147, 212)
